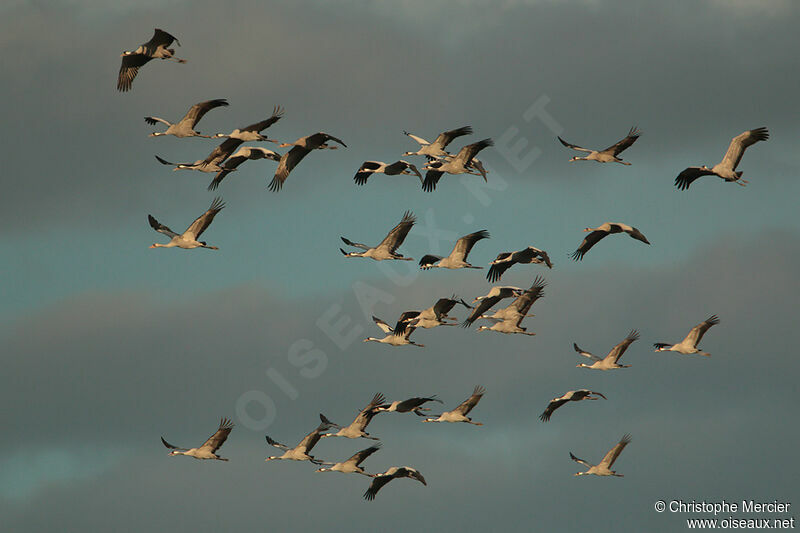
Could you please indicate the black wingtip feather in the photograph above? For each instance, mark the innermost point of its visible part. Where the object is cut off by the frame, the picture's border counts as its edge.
(493, 275)
(275, 185)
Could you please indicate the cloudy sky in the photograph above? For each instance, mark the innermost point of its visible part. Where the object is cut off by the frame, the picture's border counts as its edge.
(108, 345)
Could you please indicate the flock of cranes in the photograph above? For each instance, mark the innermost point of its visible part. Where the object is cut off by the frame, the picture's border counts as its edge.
(228, 156)
(355, 430)
(439, 161)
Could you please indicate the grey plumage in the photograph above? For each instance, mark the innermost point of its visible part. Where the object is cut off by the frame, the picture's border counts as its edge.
(245, 153)
(387, 249)
(208, 449)
(603, 468)
(569, 396)
(458, 257)
(610, 361)
(185, 126)
(301, 148)
(725, 169)
(601, 232)
(506, 260)
(610, 154)
(689, 344)
(133, 60)
(394, 472)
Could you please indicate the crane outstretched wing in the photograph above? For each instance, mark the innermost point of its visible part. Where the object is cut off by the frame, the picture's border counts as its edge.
(740, 143)
(203, 221)
(218, 438)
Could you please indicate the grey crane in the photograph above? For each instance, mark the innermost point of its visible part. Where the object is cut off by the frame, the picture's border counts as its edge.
(458, 257)
(436, 148)
(395, 336)
(202, 165)
(208, 449)
(301, 148)
(188, 239)
(368, 168)
(603, 468)
(569, 396)
(252, 132)
(212, 162)
(508, 319)
(301, 452)
(459, 414)
(485, 303)
(352, 465)
(395, 472)
(725, 169)
(433, 316)
(688, 346)
(603, 231)
(245, 153)
(461, 163)
(610, 154)
(435, 171)
(522, 299)
(506, 260)
(412, 405)
(611, 360)
(185, 126)
(357, 426)
(133, 60)
(387, 249)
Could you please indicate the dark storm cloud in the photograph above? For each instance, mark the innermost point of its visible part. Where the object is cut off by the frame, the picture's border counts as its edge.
(113, 371)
